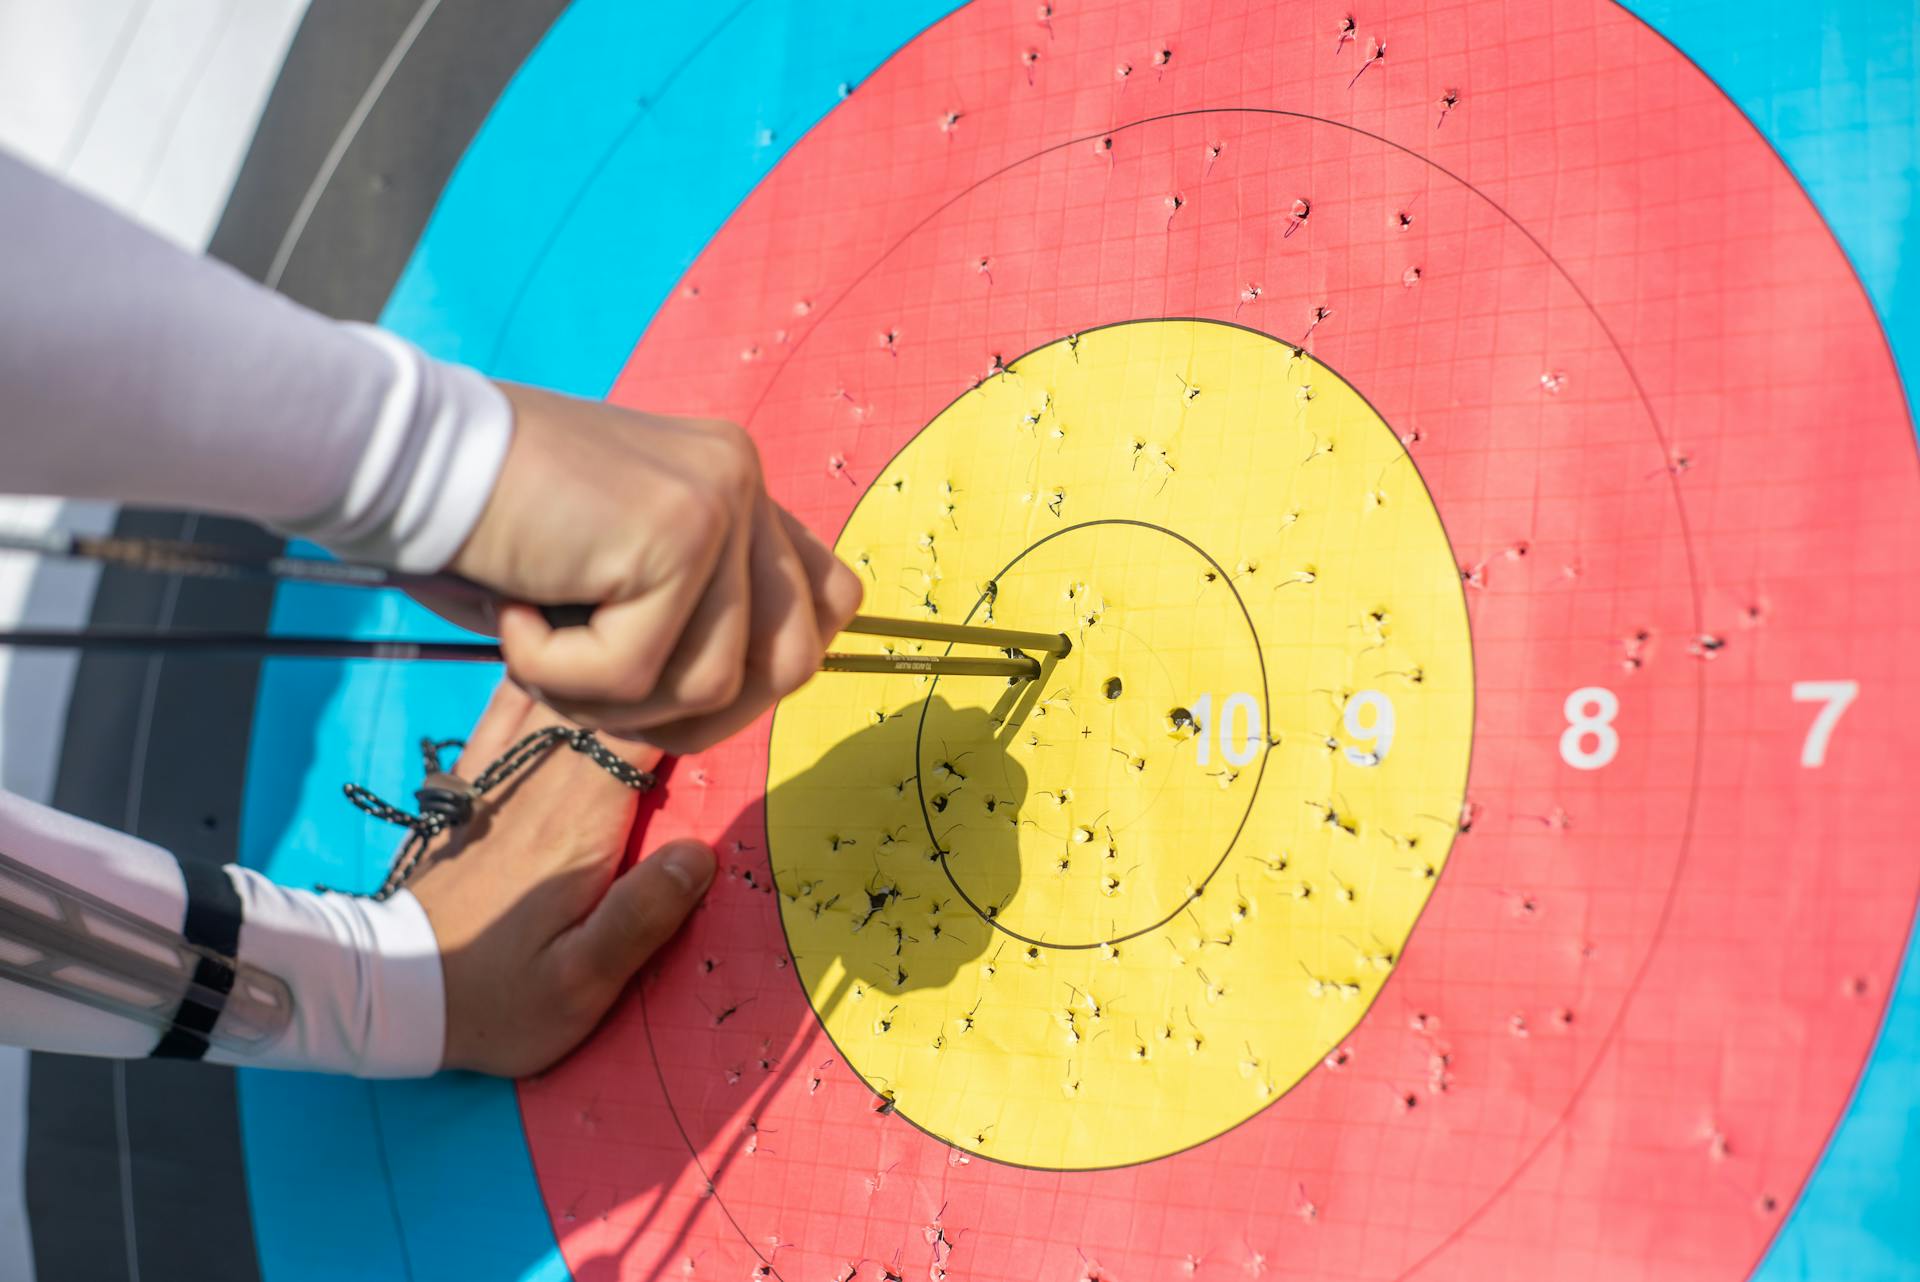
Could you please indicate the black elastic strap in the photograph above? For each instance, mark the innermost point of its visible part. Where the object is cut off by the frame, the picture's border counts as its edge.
(213, 923)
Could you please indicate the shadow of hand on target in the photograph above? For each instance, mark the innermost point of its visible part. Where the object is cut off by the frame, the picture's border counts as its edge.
(889, 873)
(870, 873)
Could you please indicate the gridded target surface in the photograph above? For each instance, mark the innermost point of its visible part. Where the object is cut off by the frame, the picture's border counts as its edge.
(1666, 448)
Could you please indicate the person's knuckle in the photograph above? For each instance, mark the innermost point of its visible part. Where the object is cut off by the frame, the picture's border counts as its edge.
(742, 478)
(714, 685)
(788, 677)
(790, 668)
(845, 592)
(739, 457)
(638, 681)
(527, 672)
(702, 513)
(731, 434)
(632, 672)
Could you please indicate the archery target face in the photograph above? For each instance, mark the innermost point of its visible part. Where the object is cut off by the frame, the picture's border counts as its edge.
(1513, 433)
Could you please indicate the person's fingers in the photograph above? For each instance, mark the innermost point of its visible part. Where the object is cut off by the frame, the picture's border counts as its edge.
(618, 654)
(622, 653)
(785, 649)
(786, 631)
(709, 661)
(639, 912)
(837, 590)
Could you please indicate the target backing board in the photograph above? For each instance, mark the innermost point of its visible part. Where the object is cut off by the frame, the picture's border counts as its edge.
(1466, 838)
(1450, 548)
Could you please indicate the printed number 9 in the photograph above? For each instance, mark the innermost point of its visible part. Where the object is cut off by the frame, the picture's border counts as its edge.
(1590, 712)
(1380, 731)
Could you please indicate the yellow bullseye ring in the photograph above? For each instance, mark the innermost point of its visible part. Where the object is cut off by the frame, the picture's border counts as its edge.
(1102, 917)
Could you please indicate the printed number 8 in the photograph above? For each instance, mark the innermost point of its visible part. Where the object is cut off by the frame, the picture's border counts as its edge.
(1590, 712)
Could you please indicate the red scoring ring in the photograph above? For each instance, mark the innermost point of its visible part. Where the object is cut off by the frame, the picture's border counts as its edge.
(1508, 1022)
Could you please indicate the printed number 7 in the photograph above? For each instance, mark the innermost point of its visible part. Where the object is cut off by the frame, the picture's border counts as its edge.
(1837, 695)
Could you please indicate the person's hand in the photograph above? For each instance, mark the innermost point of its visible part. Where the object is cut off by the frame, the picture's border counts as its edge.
(537, 934)
(713, 601)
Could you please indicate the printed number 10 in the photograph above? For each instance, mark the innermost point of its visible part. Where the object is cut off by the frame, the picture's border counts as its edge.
(1237, 748)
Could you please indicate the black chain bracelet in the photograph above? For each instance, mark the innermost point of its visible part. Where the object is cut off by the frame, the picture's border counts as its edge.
(447, 801)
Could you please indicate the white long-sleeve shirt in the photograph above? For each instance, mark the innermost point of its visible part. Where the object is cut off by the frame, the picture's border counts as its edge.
(131, 370)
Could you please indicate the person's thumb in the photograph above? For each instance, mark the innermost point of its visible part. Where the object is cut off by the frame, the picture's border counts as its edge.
(640, 911)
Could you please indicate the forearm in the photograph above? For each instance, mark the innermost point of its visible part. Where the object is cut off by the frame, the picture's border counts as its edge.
(131, 370)
(365, 977)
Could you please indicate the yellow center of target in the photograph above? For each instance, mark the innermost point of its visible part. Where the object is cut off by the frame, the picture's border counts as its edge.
(1102, 917)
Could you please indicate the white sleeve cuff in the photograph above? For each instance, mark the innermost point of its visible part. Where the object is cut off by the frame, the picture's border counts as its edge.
(367, 988)
(429, 466)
